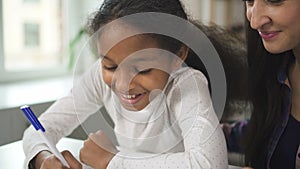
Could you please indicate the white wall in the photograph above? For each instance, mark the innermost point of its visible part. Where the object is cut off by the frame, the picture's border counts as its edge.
(222, 12)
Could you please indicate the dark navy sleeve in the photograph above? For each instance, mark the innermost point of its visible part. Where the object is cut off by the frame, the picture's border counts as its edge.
(233, 133)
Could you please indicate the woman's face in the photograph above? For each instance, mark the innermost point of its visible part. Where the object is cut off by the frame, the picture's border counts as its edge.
(278, 23)
(134, 68)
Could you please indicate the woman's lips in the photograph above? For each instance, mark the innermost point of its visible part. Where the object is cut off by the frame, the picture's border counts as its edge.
(130, 98)
(268, 35)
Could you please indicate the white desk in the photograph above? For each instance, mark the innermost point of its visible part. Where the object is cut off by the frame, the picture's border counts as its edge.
(12, 156)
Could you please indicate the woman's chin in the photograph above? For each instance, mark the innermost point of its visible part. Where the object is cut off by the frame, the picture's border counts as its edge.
(274, 49)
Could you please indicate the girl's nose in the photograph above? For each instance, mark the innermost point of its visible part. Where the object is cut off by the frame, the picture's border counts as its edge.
(123, 80)
(257, 14)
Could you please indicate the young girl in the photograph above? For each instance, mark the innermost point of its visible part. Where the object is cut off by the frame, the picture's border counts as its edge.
(161, 109)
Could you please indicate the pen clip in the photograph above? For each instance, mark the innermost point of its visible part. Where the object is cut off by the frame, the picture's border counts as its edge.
(32, 118)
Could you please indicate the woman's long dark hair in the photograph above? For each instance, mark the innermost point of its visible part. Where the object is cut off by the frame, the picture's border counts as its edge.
(267, 96)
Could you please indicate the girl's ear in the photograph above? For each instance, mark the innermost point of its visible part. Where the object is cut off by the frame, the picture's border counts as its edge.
(182, 55)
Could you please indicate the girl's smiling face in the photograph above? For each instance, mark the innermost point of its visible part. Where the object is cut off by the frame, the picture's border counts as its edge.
(135, 67)
(277, 22)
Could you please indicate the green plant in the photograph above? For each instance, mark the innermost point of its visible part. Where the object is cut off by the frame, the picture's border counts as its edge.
(80, 34)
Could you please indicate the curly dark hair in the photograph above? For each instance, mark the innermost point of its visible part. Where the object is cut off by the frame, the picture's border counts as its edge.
(230, 47)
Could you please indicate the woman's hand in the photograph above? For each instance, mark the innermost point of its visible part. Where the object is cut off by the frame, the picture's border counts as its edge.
(47, 160)
(97, 150)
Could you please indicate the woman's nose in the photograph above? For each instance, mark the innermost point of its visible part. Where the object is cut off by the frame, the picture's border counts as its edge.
(257, 14)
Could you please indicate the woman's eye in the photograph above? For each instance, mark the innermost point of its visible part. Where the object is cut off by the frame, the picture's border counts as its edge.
(110, 68)
(249, 2)
(270, 1)
(144, 71)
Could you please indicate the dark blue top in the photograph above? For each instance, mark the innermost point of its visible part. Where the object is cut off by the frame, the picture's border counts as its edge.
(291, 135)
(286, 149)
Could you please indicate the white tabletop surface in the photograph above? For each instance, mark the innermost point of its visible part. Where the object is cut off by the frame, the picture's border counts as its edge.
(12, 155)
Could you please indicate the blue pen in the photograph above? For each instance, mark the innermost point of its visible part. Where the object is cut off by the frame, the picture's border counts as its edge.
(39, 128)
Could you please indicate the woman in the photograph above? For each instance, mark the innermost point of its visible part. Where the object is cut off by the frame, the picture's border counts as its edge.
(273, 37)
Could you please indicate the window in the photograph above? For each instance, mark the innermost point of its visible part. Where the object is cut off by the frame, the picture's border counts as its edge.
(34, 43)
(35, 36)
(31, 35)
(34, 39)
(31, 1)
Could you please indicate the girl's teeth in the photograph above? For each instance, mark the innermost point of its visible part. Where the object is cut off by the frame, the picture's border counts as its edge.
(129, 96)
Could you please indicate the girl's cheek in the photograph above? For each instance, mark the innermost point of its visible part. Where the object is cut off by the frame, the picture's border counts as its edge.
(107, 77)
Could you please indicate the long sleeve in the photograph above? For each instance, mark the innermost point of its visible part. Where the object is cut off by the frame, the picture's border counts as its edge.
(66, 113)
(210, 154)
(203, 140)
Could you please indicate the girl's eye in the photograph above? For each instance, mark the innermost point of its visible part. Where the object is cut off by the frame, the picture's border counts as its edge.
(145, 71)
(275, 1)
(110, 68)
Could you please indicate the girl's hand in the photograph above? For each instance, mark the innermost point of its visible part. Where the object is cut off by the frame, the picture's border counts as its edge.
(46, 160)
(97, 150)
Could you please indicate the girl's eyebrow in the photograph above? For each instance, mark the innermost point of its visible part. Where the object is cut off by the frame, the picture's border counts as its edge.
(106, 57)
(139, 59)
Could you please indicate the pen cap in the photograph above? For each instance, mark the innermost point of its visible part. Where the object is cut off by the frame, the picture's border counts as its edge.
(32, 118)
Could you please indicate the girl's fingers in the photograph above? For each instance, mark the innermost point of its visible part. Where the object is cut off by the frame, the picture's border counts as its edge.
(51, 162)
(72, 161)
(103, 141)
